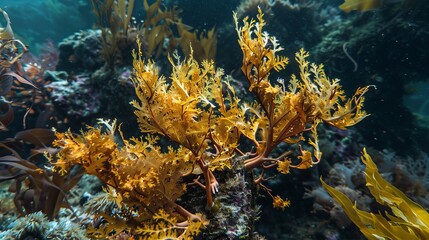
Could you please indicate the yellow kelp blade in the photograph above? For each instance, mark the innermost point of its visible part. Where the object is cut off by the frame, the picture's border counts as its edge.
(409, 220)
(388, 195)
(360, 5)
(373, 226)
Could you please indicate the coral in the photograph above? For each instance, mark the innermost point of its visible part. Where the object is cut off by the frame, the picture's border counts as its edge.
(406, 220)
(33, 225)
(74, 98)
(37, 226)
(339, 145)
(81, 52)
(325, 204)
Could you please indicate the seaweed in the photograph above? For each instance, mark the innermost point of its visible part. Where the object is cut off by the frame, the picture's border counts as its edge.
(198, 111)
(405, 220)
(113, 19)
(36, 188)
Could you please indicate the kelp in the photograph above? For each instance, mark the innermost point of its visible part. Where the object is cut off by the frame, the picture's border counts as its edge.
(11, 51)
(201, 46)
(405, 220)
(113, 19)
(162, 30)
(35, 188)
(6, 115)
(157, 29)
(360, 5)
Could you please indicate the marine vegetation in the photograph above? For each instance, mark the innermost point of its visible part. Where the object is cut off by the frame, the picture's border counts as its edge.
(283, 113)
(157, 29)
(405, 218)
(113, 19)
(360, 5)
(34, 187)
(11, 50)
(368, 5)
(161, 31)
(194, 124)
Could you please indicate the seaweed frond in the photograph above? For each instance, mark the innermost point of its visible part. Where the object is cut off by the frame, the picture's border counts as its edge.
(196, 109)
(288, 112)
(409, 220)
(157, 30)
(165, 226)
(202, 46)
(155, 184)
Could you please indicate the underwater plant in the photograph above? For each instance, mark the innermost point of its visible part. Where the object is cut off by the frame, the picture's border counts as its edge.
(405, 218)
(162, 31)
(360, 5)
(202, 46)
(284, 113)
(11, 50)
(36, 101)
(35, 187)
(8, 46)
(113, 19)
(199, 114)
(158, 30)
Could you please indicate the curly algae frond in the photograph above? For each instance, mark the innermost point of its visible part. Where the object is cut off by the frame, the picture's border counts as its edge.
(198, 110)
(153, 185)
(284, 113)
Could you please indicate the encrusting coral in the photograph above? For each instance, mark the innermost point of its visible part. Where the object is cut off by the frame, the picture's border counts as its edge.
(199, 112)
